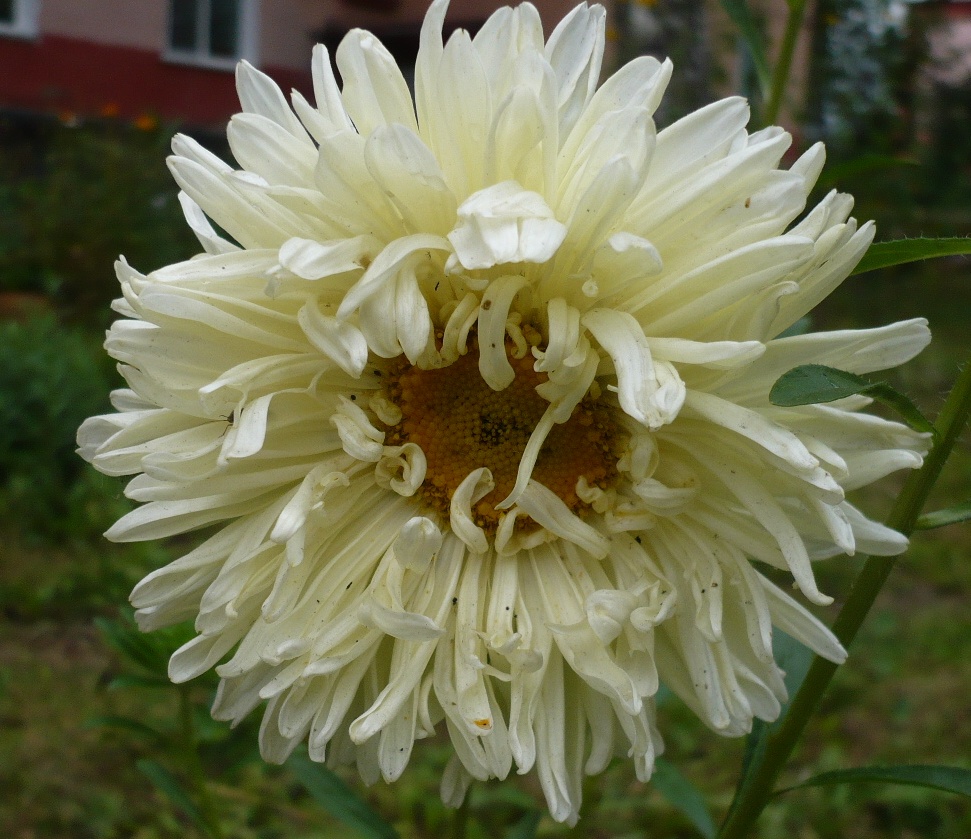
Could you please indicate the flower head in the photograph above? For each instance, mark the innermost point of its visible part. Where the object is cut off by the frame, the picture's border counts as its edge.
(476, 389)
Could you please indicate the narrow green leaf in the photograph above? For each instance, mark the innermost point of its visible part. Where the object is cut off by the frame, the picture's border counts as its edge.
(946, 778)
(902, 251)
(741, 15)
(684, 796)
(331, 793)
(527, 826)
(810, 384)
(125, 724)
(132, 644)
(794, 658)
(166, 783)
(864, 164)
(127, 680)
(942, 518)
(752, 758)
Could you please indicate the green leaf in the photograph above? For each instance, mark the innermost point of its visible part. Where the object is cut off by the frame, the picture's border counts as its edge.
(864, 164)
(166, 783)
(902, 251)
(133, 645)
(947, 778)
(810, 384)
(752, 758)
(684, 796)
(799, 327)
(125, 724)
(794, 658)
(127, 680)
(527, 826)
(331, 793)
(942, 518)
(741, 15)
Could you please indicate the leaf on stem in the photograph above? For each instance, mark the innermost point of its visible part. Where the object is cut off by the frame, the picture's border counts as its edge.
(863, 164)
(942, 518)
(527, 826)
(810, 384)
(902, 251)
(170, 786)
(331, 793)
(125, 724)
(684, 796)
(946, 778)
(794, 659)
(137, 647)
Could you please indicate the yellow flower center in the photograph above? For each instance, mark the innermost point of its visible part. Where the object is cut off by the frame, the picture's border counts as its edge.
(461, 424)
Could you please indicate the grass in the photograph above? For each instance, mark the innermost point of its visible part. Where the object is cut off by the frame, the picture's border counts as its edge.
(901, 698)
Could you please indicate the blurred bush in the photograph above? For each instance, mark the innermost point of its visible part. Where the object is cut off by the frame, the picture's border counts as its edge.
(75, 198)
(51, 378)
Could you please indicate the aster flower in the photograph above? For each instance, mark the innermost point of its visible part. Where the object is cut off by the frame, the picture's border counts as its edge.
(475, 393)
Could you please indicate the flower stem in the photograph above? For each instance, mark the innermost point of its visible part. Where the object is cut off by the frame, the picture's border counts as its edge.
(756, 791)
(783, 64)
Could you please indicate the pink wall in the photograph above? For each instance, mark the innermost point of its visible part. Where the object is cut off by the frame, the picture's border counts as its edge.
(381, 14)
(130, 23)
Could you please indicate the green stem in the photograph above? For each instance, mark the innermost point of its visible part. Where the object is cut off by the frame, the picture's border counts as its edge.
(783, 64)
(757, 789)
(193, 764)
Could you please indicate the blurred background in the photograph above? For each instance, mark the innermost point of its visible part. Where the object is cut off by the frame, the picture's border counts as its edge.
(93, 742)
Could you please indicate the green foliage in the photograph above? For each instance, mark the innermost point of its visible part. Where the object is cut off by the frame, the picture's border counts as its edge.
(902, 251)
(94, 193)
(945, 778)
(331, 793)
(753, 35)
(809, 384)
(942, 518)
(684, 796)
(527, 826)
(170, 786)
(51, 378)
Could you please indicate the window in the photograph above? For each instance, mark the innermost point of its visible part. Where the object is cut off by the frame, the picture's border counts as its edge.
(19, 18)
(214, 33)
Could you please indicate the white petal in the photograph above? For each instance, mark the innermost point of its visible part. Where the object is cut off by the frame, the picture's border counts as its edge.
(644, 395)
(505, 223)
(375, 93)
(474, 487)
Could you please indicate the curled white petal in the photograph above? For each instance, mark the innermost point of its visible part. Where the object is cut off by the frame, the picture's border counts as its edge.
(504, 223)
(476, 485)
(651, 393)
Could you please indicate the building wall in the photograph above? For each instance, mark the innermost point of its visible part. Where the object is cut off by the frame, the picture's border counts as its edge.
(107, 57)
(285, 29)
(384, 15)
(137, 24)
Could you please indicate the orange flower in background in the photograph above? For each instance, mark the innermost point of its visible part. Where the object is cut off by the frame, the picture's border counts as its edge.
(146, 122)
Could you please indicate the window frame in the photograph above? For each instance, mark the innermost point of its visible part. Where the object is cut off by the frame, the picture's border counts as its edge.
(26, 14)
(247, 39)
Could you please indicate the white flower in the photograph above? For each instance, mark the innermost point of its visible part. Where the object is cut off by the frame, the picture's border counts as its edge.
(477, 393)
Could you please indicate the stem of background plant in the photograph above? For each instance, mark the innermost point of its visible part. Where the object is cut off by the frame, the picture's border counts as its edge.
(759, 787)
(783, 63)
(193, 764)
